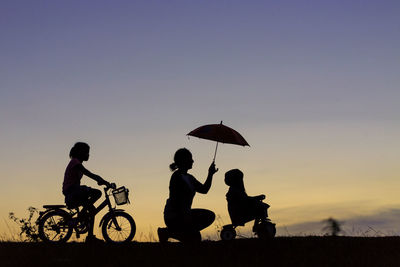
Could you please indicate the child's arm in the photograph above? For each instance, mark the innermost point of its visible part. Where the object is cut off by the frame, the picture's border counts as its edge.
(95, 177)
(259, 197)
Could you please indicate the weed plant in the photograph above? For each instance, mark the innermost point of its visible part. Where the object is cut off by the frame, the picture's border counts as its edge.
(28, 226)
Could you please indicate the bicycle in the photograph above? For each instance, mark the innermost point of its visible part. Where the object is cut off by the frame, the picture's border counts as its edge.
(57, 223)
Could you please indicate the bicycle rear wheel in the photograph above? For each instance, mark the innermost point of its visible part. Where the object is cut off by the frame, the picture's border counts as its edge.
(123, 232)
(54, 228)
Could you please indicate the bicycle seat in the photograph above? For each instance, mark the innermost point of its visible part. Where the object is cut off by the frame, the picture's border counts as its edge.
(54, 206)
(72, 206)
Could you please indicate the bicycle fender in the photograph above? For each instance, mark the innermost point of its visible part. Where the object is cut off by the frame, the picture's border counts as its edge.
(109, 214)
(42, 213)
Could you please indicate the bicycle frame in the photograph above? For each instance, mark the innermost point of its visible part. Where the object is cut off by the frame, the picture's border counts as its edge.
(105, 203)
(111, 211)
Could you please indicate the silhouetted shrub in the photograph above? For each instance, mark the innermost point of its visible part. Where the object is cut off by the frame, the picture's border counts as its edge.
(333, 226)
(29, 229)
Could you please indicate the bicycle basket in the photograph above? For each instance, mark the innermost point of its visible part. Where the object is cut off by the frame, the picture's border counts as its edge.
(121, 195)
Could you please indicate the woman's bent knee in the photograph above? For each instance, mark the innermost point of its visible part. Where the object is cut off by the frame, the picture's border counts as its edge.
(211, 216)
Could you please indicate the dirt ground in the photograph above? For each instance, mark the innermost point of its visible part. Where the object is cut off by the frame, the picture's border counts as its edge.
(282, 251)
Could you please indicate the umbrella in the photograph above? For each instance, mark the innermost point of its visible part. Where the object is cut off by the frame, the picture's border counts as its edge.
(219, 133)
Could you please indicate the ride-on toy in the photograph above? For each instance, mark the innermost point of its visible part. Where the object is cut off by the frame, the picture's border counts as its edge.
(263, 227)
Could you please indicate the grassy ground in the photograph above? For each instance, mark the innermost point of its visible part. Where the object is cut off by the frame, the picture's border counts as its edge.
(282, 251)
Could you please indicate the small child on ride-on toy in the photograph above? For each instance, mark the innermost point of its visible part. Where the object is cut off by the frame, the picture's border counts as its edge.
(243, 208)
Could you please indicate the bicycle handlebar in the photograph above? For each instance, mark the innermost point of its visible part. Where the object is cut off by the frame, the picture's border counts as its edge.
(112, 185)
(109, 185)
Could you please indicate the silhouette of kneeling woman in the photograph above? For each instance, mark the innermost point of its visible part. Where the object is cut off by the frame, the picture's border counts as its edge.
(183, 222)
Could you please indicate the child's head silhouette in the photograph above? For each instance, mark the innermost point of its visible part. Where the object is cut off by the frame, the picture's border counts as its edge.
(234, 178)
(80, 151)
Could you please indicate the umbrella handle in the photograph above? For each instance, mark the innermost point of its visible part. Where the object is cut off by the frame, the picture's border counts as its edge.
(215, 153)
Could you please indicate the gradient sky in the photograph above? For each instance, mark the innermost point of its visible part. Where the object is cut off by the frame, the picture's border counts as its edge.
(313, 86)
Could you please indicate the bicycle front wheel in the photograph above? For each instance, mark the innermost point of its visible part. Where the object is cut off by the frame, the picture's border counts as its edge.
(118, 228)
(54, 227)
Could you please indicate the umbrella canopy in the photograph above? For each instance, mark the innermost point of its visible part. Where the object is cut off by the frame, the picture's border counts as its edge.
(219, 133)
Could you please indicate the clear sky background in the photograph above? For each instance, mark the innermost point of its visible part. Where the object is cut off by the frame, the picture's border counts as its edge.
(313, 86)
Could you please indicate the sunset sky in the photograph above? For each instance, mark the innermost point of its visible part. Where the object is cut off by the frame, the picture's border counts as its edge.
(313, 86)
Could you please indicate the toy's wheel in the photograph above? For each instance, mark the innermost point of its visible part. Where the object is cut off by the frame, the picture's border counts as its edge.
(266, 230)
(228, 234)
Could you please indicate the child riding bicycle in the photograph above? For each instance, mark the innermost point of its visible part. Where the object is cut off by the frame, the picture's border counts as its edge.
(80, 195)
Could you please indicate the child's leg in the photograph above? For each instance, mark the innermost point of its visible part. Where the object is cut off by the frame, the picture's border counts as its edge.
(90, 196)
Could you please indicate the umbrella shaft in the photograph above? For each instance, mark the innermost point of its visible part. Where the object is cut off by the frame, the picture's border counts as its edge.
(215, 153)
